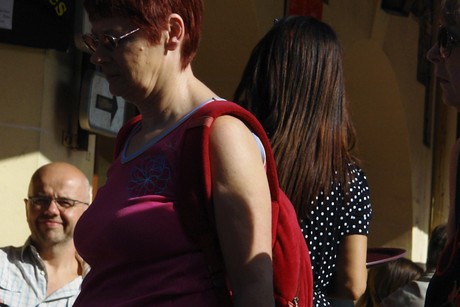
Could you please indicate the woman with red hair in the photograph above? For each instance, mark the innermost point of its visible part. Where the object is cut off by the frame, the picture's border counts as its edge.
(132, 236)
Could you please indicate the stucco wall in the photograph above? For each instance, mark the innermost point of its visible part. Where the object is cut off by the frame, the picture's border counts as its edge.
(231, 28)
(380, 61)
(37, 89)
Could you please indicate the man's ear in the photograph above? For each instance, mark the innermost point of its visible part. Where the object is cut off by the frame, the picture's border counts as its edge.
(26, 201)
(175, 32)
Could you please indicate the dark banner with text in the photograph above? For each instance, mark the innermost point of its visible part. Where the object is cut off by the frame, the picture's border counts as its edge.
(46, 24)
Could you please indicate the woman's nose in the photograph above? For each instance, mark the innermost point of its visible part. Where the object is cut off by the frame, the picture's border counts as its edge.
(433, 54)
(98, 56)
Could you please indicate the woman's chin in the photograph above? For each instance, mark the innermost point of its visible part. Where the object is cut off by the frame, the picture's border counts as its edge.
(451, 100)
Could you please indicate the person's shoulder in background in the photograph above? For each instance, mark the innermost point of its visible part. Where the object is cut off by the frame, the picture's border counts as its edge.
(410, 295)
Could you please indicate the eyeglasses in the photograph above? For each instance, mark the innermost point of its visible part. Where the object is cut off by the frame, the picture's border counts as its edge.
(109, 42)
(40, 202)
(446, 41)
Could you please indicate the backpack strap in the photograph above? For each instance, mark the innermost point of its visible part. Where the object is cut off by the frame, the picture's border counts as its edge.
(195, 195)
(195, 162)
(194, 203)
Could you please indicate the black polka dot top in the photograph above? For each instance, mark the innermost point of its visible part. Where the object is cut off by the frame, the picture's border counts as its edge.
(329, 221)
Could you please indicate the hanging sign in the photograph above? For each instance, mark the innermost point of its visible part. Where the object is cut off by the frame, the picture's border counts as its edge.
(46, 24)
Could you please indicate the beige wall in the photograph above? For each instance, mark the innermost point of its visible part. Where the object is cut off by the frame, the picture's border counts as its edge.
(231, 29)
(377, 104)
(380, 56)
(37, 89)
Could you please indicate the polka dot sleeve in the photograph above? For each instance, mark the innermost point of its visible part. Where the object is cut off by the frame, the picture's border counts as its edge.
(357, 212)
(334, 216)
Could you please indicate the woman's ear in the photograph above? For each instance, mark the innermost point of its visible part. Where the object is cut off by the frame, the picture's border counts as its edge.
(175, 32)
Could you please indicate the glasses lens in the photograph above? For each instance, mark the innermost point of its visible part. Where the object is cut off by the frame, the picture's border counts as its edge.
(65, 203)
(90, 41)
(40, 201)
(109, 42)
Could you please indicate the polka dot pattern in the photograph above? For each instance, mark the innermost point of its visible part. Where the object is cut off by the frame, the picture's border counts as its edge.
(331, 219)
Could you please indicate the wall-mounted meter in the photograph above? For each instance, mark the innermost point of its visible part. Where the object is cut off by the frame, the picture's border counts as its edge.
(100, 111)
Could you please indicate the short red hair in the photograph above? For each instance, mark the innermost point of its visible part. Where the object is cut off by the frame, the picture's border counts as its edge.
(152, 17)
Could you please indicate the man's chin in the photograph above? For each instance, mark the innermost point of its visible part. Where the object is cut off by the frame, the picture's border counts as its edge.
(52, 238)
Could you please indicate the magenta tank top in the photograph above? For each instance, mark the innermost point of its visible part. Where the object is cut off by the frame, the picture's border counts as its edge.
(133, 240)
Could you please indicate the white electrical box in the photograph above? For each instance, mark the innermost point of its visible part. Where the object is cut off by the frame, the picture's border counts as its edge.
(100, 111)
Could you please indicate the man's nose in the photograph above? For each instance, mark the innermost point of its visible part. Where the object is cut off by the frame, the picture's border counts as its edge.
(53, 207)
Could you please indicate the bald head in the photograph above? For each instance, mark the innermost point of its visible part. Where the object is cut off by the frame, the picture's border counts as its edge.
(60, 175)
(51, 224)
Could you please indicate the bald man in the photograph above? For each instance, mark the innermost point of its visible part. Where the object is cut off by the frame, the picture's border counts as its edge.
(47, 271)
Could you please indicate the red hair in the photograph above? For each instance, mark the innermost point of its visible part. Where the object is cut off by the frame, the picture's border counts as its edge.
(152, 17)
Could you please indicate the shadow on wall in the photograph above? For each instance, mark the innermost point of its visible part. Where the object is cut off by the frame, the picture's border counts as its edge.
(36, 109)
(379, 120)
(231, 29)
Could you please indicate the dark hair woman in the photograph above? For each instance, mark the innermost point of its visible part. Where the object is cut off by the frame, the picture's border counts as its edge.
(293, 83)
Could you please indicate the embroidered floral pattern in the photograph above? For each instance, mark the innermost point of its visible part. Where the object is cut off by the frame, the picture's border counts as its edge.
(151, 176)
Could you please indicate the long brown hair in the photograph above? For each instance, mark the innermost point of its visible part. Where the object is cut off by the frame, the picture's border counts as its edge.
(293, 83)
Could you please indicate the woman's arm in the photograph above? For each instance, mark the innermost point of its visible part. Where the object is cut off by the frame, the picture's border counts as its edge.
(243, 211)
(351, 272)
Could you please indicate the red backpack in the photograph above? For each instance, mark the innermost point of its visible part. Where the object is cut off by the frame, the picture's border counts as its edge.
(293, 279)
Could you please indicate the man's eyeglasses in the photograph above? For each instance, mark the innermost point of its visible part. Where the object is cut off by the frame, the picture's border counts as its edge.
(40, 202)
(109, 42)
(446, 41)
